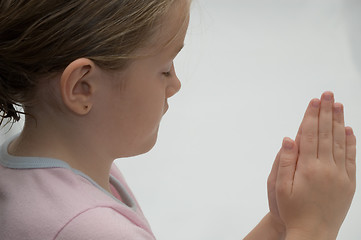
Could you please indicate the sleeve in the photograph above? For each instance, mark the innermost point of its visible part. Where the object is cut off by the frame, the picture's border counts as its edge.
(102, 223)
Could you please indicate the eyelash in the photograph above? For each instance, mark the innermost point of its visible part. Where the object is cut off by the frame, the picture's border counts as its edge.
(167, 74)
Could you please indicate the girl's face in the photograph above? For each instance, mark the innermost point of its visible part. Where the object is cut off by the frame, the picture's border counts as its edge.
(135, 100)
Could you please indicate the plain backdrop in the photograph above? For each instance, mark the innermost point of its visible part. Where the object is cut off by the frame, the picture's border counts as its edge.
(248, 69)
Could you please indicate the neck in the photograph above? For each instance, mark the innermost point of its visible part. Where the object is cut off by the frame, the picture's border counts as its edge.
(73, 147)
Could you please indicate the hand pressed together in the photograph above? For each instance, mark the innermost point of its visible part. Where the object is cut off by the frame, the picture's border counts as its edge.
(313, 178)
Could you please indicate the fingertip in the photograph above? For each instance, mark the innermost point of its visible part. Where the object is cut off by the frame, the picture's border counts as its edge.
(315, 102)
(288, 144)
(349, 131)
(328, 95)
(338, 107)
(350, 137)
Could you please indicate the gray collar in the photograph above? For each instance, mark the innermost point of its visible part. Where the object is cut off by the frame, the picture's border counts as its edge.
(15, 162)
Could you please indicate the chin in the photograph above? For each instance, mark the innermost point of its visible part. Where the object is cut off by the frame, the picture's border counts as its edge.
(144, 148)
(150, 144)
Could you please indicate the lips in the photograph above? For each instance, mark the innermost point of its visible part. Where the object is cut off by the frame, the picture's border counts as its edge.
(166, 106)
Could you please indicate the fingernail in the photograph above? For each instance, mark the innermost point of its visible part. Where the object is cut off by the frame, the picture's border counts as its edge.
(316, 103)
(287, 144)
(337, 107)
(349, 131)
(328, 96)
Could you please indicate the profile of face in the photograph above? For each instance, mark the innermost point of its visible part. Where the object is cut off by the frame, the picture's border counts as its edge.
(131, 103)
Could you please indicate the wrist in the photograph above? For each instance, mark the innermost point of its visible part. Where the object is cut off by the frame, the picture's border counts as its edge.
(295, 234)
(269, 228)
(276, 224)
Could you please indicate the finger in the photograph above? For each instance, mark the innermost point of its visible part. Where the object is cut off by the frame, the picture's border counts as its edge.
(272, 178)
(298, 136)
(309, 132)
(350, 154)
(287, 167)
(325, 142)
(299, 132)
(339, 135)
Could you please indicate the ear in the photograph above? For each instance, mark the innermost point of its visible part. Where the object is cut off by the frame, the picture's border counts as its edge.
(77, 86)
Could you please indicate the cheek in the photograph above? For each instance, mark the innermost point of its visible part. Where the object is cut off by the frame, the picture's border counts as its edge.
(149, 111)
(140, 128)
(142, 112)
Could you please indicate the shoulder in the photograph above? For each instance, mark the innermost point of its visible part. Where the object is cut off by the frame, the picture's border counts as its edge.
(102, 223)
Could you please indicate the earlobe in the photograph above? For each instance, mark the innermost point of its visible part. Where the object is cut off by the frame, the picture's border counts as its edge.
(77, 87)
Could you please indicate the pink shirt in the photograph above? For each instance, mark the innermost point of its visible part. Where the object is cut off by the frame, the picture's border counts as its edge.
(45, 199)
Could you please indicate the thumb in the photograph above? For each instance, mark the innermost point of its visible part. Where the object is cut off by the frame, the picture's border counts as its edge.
(287, 166)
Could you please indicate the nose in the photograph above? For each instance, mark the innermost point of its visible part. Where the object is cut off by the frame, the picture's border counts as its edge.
(174, 85)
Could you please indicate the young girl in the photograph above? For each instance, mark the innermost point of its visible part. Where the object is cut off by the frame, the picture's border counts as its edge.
(93, 78)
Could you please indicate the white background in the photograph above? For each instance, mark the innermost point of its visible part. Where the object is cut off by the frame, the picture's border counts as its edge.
(249, 69)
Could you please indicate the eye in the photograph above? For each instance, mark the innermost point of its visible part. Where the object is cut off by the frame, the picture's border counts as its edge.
(167, 74)
(169, 71)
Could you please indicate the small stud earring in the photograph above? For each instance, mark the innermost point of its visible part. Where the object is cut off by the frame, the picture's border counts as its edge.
(86, 107)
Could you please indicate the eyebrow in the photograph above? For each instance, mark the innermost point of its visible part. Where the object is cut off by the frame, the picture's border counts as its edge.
(178, 50)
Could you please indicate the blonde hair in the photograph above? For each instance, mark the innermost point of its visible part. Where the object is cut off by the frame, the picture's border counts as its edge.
(40, 37)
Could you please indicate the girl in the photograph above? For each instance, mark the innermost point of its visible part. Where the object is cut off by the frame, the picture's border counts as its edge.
(93, 78)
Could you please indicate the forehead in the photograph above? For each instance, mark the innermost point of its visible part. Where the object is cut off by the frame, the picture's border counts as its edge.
(172, 28)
